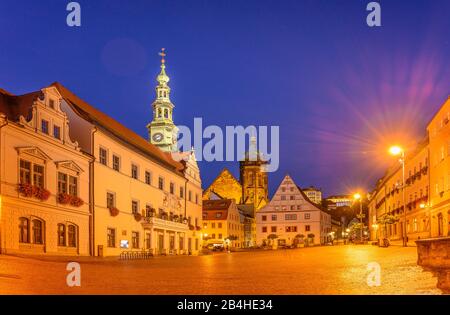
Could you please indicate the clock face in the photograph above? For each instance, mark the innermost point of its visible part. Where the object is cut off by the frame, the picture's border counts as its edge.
(157, 137)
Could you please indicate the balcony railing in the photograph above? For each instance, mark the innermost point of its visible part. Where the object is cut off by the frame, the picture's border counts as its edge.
(154, 221)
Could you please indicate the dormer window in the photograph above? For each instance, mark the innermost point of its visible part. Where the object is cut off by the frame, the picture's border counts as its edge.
(44, 126)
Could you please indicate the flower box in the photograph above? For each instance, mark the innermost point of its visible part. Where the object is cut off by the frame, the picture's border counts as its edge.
(28, 190)
(65, 199)
(76, 201)
(137, 217)
(113, 211)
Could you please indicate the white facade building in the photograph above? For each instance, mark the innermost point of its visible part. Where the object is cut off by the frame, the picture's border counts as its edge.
(290, 215)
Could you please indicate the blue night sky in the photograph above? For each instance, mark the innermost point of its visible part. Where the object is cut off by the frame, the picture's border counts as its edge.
(340, 91)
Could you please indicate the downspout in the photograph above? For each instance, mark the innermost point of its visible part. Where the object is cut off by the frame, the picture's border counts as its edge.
(428, 204)
(92, 194)
(4, 123)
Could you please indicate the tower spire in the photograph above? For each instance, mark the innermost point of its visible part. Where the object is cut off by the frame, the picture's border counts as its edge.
(162, 130)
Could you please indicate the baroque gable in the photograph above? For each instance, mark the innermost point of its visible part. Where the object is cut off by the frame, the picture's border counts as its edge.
(48, 119)
(289, 195)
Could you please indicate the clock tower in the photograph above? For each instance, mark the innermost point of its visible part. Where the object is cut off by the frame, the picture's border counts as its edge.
(161, 130)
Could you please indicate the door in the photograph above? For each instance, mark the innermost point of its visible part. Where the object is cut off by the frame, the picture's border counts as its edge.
(160, 243)
(148, 241)
(172, 242)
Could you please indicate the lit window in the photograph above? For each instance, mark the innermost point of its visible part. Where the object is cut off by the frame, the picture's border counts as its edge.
(61, 235)
(37, 232)
(24, 230)
(135, 239)
(72, 236)
(111, 237)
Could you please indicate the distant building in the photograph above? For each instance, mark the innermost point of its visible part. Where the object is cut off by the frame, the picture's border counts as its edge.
(290, 215)
(314, 194)
(337, 201)
(252, 186)
(223, 224)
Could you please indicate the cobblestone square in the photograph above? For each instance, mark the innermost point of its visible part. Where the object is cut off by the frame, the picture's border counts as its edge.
(318, 270)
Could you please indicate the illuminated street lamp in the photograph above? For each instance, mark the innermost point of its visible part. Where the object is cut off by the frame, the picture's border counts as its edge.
(398, 151)
(357, 197)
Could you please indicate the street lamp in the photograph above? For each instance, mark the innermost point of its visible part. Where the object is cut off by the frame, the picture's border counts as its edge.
(357, 197)
(398, 151)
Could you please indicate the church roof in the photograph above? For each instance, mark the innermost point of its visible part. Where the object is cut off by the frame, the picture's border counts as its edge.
(99, 118)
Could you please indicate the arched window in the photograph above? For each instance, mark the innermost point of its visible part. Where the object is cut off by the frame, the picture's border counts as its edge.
(159, 113)
(24, 230)
(72, 235)
(37, 232)
(61, 235)
(166, 113)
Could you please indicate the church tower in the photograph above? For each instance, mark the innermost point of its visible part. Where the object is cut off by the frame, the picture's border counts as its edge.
(161, 130)
(253, 177)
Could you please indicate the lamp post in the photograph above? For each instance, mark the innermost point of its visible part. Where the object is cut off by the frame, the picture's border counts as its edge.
(398, 151)
(357, 197)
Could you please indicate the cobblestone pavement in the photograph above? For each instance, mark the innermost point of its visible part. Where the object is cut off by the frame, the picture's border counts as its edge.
(318, 270)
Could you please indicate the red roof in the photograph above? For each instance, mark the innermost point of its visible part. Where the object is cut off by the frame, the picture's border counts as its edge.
(15, 106)
(216, 209)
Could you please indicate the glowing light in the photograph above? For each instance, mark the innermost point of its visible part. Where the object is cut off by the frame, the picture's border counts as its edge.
(395, 150)
(357, 196)
(347, 230)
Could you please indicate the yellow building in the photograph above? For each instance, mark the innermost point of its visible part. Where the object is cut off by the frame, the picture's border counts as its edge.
(427, 189)
(387, 199)
(223, 224)
(142, 198)
(44, 176)
(103, 190)
(439, 148)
